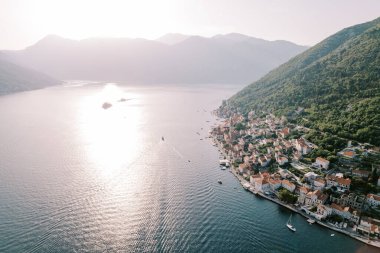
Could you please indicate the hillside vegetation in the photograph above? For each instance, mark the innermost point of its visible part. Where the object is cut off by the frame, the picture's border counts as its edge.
(14, 78)
(334, 87)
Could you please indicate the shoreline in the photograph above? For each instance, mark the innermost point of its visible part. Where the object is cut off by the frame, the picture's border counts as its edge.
(361, 239)
(242, 181)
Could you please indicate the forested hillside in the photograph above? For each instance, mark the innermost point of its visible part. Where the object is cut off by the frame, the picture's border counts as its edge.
(333, 87)
(14, 78)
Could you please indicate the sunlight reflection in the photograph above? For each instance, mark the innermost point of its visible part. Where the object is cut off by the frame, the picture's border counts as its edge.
(112, 135)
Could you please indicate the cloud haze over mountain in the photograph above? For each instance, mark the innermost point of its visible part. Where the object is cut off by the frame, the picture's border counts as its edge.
(230, 58)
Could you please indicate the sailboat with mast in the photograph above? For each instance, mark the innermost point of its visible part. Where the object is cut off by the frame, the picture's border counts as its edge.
(289, 224)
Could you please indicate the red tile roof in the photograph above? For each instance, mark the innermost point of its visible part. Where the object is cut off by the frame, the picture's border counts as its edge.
(375, 197)
(322, 160)
(344, 181)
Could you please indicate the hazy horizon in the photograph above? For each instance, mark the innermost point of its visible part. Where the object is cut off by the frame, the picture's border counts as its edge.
(296, 21)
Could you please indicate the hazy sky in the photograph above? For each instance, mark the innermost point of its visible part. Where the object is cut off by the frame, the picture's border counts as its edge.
(23, 22)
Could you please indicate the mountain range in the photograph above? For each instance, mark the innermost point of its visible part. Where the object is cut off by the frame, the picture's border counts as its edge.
(173, 58)
(333, 87)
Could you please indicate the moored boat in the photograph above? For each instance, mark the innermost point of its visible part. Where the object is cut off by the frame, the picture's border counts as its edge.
(289, 224)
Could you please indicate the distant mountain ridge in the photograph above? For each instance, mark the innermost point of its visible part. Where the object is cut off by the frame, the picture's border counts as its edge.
(174, 58)
(14, 78)
(172, 38)
(336, 82)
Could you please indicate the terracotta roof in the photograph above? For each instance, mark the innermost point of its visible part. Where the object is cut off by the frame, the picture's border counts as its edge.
(316, 193)
(320, 180)
(349, 153)
(285, 131)
(303, 189)
(331, 177)
(323, 160)
(274, 181)
(288, 183)
(373, 196)
(256, 176)
(344, 181)
(340, 208)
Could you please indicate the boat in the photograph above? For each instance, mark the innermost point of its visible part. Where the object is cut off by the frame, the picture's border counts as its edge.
(311, 221)
(162, 138)
(332, 235)
(289, 224)
(224, 162)
(219, 181)
(246, 186)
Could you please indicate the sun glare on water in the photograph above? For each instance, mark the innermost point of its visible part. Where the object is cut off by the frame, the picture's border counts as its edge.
(112, 135)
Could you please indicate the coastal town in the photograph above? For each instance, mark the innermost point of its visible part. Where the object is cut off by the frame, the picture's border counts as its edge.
(273, 159)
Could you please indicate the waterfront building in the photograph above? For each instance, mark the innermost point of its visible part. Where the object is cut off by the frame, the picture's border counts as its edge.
(262, 185)
(314, 198)
(254, 178)
(274, 184)
(323, 211)
(302, 191)
(341, 211)
(288, 185)
(369, 227)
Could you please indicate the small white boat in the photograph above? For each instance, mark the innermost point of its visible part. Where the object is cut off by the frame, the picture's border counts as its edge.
(246, 186)
(289, 224)
(224, 162)
(311, 221)
(332, 235)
